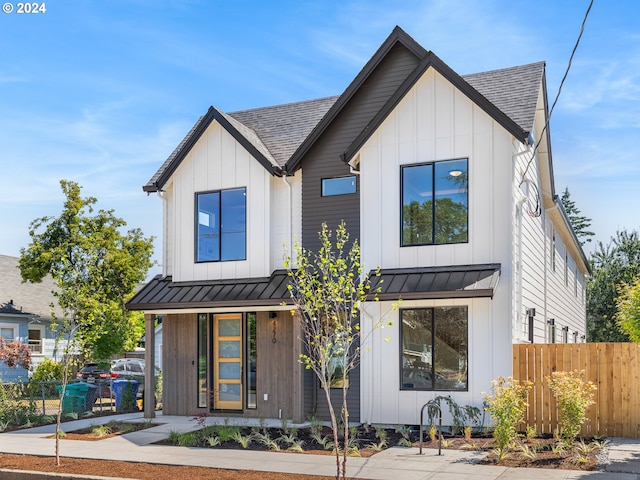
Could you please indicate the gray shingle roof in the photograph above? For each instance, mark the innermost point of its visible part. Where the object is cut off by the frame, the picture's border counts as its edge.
(283, 128)
(274, 134)
(33, 298)
(513, 90)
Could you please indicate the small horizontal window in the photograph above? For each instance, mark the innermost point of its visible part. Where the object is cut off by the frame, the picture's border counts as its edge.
(338, 186)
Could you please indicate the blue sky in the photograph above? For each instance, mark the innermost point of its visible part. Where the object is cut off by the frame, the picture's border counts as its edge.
(101, 91)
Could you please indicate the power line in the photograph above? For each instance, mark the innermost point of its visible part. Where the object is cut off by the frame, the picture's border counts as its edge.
(546, 125)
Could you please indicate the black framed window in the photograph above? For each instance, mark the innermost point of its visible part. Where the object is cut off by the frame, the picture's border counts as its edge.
(435, 203)
(221, 225)
(203, 384)
(434, 348)
(338, 186)
(251, 360)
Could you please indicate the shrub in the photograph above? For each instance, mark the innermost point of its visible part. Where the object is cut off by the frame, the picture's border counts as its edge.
(47, 371)
(507, 405)
(573, 396)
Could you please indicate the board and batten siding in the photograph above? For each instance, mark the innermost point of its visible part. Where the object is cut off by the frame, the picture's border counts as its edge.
(489, 353)
(285, 216)
(436, 122)
(217, 161)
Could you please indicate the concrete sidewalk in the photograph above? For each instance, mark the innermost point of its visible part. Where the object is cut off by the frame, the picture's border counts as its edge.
(397, 462)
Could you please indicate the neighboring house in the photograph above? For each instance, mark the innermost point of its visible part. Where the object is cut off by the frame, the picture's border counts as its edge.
(157, 345)
(25, 316)
(447, 182)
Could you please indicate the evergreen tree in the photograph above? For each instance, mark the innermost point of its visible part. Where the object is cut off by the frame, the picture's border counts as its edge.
(579, 222)
(613, 266)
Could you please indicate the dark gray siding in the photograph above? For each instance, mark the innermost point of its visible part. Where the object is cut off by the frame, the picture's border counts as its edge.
(320, 408)
(323, 161)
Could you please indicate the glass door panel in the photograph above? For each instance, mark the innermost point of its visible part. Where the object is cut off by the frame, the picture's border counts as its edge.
(227, 346)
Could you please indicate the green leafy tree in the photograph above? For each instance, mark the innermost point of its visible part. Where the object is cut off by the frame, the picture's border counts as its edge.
(579, 222)
(613, 265)
(328, 289)
(628, 315)
(96, 269)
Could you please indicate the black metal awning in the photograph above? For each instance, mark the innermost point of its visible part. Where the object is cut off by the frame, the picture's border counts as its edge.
(162, 293)
(458, 281)
(466, 281)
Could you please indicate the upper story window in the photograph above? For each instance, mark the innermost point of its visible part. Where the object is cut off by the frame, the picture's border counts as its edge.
(36, 338)
(221, 225)
(338, 186)
(435, 203)
(9, 332)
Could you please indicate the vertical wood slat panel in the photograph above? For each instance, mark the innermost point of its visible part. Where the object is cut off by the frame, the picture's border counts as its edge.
(616, 398)
(634, 365)
(613, 368)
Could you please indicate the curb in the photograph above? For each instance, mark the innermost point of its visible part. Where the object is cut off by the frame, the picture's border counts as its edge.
(8, 474)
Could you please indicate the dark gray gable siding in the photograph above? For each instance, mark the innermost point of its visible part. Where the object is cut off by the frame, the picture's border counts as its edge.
(323, 159)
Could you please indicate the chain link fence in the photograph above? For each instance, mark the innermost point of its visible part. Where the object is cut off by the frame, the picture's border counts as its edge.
(25, 404)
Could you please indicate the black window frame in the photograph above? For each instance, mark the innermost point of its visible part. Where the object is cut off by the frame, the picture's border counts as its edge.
(196, 240)
(403, 386)
(433, 164)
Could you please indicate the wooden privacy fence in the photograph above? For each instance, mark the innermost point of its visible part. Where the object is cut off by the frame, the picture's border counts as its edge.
(613, 367)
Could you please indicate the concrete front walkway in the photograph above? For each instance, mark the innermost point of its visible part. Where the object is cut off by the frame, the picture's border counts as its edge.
(394, 463)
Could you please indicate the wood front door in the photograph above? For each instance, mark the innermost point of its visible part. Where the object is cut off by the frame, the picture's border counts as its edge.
(227, 355)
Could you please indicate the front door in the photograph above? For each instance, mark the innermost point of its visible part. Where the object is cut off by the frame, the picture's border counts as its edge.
(227, 368)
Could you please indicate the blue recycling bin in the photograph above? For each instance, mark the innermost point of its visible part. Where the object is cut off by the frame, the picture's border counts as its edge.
(126, 392)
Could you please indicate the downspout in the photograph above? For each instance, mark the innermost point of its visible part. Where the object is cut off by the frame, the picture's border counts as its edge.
(519, 217)
(165, 227)
(290, 209)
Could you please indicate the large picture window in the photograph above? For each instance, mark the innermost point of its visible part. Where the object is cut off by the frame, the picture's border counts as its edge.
(434, 348)
(435, 203)
(221, 225)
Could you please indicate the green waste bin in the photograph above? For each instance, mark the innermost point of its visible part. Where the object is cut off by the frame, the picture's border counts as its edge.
(90, 398)
(75, 397)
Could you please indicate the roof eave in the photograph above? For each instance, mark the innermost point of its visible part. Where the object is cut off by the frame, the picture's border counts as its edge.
(397, 36)
(211, 115)
(432, 60)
